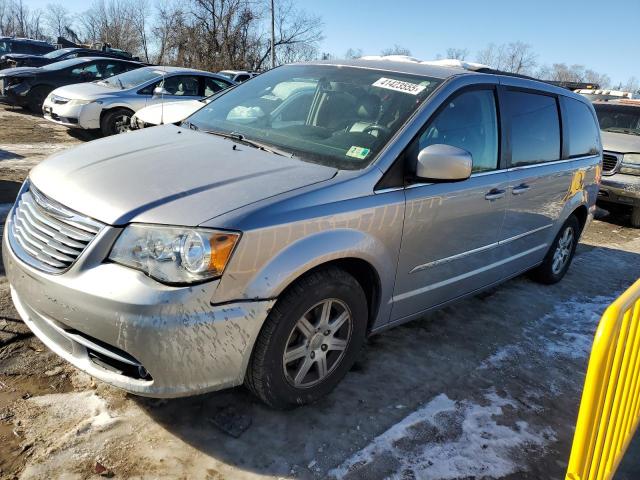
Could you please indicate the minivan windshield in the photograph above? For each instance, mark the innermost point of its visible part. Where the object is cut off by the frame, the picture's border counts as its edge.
(132, 78)
(332, 115)
(618, 118)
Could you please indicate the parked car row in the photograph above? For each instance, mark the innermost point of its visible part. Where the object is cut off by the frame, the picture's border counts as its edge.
(108, 104)
(104, 90)
(29, 86)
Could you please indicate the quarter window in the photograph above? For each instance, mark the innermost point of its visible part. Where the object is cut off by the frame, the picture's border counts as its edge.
(535, 128)
(583, 133)
(181, 85)
(469, 121)
(214, 85)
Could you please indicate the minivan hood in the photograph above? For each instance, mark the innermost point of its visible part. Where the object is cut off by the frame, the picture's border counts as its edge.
(86, 91)
(168, 175)
(170, 112)
(620, 142)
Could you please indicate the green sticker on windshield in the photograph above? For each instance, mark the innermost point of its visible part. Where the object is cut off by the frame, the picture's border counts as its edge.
(358, 152)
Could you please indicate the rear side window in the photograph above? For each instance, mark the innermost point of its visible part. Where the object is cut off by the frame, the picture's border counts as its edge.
(469, 121)
(535, 128)
(583, 133)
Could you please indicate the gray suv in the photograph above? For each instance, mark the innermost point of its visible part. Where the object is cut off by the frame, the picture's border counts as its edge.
(262, 240)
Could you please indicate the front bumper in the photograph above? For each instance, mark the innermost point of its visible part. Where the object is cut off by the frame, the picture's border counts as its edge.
(74, 116)
(10, 98)
(99, 316)
(621, 189)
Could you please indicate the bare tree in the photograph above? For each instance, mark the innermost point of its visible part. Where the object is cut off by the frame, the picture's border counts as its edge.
(169, 22)
(514, 57)
(457, 53)
(396, 50)
(297, 35)
(138, 17)
(353, 53)
(561, 72)
(631, 85)
(57, 19)
(17, 19)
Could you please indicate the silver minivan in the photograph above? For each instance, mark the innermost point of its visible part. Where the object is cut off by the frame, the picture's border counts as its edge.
(264, 238)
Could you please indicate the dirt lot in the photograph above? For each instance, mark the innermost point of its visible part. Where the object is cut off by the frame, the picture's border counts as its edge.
(487, 388)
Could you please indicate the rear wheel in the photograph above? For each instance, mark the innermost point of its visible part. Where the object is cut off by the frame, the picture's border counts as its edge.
(635, 216)
(115, 121)
(310, 339)
(36, 98)
(558, 258)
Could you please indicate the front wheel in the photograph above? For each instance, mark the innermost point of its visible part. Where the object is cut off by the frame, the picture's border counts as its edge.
(558, 258)
(310, 339)
(36, 98)
(115, 121)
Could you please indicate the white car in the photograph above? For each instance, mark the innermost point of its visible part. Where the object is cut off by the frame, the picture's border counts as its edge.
(109, 104)
(237, 76)
(171, 112)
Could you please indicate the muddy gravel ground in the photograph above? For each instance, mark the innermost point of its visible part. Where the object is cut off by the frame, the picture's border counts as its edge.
(488, 388)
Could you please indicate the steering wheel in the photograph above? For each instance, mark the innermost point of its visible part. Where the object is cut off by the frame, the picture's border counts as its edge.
(376, 127)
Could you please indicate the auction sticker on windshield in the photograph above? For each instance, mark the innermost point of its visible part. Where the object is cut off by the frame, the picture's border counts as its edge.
(399, 86)
(358, 152)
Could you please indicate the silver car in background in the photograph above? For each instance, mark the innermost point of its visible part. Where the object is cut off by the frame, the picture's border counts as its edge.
(108, 105)
(262, 240)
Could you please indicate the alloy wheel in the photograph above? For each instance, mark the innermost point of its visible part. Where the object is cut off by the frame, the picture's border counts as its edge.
(563, 251)
(317, 343)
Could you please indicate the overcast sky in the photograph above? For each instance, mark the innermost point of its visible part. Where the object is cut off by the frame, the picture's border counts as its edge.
(593, 34)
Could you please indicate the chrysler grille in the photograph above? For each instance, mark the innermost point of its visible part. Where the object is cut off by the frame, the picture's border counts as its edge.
(47, 235)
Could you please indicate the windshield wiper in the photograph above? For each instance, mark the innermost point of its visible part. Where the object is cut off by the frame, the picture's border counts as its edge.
(238, 137)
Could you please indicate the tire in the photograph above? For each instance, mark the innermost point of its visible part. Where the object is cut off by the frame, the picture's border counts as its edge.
(560, 254)
(285, 383)
(635, 216)
(36, 98)
(115, 121)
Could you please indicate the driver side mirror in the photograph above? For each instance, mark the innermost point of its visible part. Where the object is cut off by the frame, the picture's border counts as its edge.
(443, 162)
(159, 91)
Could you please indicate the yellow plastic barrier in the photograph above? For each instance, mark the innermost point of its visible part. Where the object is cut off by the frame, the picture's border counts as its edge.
(610, 406)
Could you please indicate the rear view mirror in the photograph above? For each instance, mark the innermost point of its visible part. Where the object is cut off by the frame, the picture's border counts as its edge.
(443, 162)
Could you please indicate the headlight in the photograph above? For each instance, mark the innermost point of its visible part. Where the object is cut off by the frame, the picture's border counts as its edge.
(630, 164)
(175, 254)
(78, 101)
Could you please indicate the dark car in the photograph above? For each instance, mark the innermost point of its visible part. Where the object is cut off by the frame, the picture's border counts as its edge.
(31, 60)
(27, 46)
(29, 86)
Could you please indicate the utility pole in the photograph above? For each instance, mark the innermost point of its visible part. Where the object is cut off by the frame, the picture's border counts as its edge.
(273, 35)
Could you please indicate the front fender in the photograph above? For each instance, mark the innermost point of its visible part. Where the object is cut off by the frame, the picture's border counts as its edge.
(301, 256)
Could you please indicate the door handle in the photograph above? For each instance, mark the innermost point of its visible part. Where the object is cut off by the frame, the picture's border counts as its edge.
(494, 194)
(520, 189)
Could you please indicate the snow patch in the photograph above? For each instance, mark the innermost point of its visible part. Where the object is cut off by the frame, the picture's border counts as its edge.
(89, 411)
(446, 62)
(465, 441)
(566, 332)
